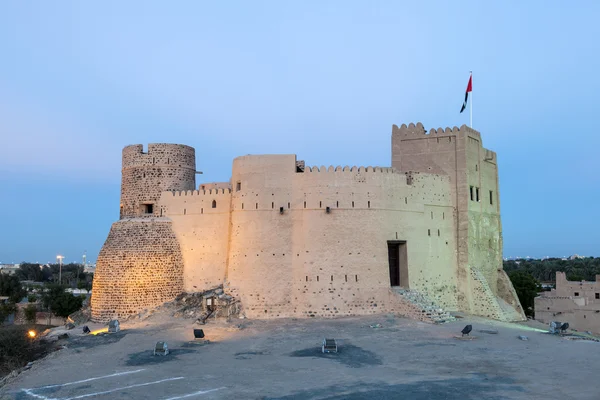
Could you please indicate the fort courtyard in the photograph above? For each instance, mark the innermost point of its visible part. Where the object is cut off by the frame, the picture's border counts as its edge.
(380, 357)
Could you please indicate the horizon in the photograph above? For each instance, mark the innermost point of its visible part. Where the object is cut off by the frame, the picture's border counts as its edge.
(323, 81)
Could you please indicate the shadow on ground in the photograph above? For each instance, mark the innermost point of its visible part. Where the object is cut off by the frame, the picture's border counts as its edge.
(475, 387)
(89, 341)
(147, 357)
(349, 355)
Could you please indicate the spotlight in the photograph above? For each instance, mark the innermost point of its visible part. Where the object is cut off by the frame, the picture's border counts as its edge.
(113, 326)
(555, 326)
(32, 334)
(198, 333)
(466, 330)
(161, 349)
(329, 346)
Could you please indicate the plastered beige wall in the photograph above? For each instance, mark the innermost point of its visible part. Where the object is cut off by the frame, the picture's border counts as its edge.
(303, 261)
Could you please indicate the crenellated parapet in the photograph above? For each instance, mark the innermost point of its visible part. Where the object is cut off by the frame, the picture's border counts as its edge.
(208, 192)
(418, 131)
(353, 169)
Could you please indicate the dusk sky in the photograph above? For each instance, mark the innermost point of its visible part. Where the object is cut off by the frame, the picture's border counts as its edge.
(322, 79)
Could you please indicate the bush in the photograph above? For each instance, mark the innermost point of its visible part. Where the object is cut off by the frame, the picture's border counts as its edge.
(30, 313)
(32, 298)
(6, 310)
(17, 349)
(60, 302)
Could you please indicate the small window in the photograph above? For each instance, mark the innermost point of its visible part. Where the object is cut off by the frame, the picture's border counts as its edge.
(471, 192)
(598, 295)
(307, 279)
(443, 215)
(238, 186)
(491, 197)
(432, 215)
(288, 205)
(356, 278)
(319, 204)
(406, 200)
(331, 278)
(346, 276)
(337, 204)
(257, 206)
(272, 205)
(576, 294)
(184, 211)
(428, 232)
(369, 204)
(476, 168)
(304, 204)
(148, 208)
(202, 211)
(352, 204)
(317, 278)
(242, 206)
(214, 204)
(438, 232)
(477, 194)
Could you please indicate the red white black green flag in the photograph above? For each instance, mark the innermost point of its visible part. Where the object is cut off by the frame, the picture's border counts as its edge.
(469, 88)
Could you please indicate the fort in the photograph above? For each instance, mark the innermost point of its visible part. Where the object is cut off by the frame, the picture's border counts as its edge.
(418, 238)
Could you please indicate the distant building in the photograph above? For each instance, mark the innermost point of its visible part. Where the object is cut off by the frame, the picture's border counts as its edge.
(9, 268)
(577, 303)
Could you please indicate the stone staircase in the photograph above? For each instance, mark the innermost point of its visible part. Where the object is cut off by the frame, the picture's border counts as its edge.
(427, 306)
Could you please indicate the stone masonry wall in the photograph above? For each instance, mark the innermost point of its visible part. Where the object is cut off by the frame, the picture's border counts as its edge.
(140, 266)
(145, 176)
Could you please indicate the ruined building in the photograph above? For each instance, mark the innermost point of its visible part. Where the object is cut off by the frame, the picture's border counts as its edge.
(288, 240)
(575, 302)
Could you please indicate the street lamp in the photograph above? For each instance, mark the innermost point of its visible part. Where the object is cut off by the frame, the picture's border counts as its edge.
(59, 258)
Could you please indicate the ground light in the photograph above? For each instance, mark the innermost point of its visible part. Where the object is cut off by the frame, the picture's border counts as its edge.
(32, 334)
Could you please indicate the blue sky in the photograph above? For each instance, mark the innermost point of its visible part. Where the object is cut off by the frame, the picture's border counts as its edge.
(323, 79)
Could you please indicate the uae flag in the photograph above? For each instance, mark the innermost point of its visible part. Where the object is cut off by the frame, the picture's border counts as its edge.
(469, 88)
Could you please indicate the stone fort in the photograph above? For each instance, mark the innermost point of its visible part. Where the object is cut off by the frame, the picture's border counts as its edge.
(419, 238)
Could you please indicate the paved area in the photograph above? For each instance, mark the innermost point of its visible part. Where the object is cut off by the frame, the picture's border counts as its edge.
(281, 359)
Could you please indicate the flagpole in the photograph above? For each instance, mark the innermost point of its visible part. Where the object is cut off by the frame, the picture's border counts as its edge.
(471, 109)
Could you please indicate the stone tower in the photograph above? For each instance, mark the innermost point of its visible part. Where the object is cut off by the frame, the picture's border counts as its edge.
(145, 175)
(140, 265)
(473, 172)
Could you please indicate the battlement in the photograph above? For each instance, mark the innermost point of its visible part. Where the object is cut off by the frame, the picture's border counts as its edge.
(353, 169)
(418, 131)
(159, 154)
(211, 192)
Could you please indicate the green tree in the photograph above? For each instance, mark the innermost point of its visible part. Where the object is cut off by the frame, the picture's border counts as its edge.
(527, 288)
(30, 313)
(6, 310)
(30, 272)
(11, 286)
(32, 298)
(59, 301)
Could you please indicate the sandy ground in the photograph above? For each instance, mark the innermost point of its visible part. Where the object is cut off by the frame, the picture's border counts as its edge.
(281, 359)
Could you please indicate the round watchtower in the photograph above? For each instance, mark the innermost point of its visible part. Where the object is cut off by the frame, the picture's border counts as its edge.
(146, 174)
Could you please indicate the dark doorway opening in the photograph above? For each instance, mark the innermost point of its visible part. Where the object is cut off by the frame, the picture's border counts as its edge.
(397, 257)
